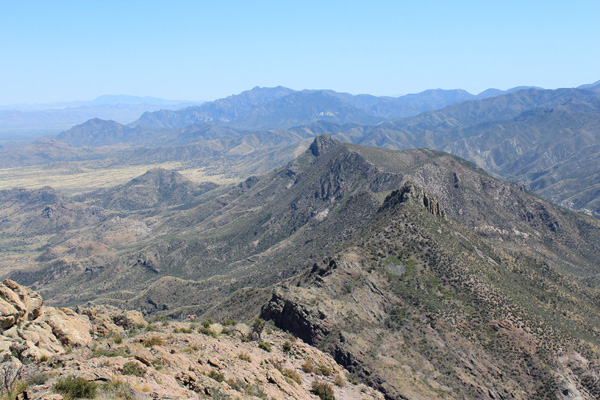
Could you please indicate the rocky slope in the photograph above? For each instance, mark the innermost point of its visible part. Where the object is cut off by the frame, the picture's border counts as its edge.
(474, 288)
(448, 315)
(117, 354)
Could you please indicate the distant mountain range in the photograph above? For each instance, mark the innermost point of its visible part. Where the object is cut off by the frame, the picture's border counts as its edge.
(280, 108)
(24, 121)
(546, 139)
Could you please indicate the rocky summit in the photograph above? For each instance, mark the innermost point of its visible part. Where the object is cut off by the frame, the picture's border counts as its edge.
(59, 353)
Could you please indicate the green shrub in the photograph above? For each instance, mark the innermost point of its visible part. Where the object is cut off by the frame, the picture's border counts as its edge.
(323, 370)
(117, 389)
(323, 390)
(258, 325)
(245, 356)
(229, 322)
(133, 368)
(76, 388)
(38, 379)
(293, 375)
(287, 346)
(109, 352)
(153, 341)
(216, 376)
(266, 346)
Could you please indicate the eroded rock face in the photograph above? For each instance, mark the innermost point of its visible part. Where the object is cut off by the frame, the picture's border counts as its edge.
(33, 331)
(413, 192)
(18, 303)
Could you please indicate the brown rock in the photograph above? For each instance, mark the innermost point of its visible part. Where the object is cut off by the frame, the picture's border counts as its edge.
(68, 327)
(31, 300)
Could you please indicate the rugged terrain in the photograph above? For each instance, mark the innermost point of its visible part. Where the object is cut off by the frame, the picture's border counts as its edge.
(473, 288)
(116, 354)
(546, 139)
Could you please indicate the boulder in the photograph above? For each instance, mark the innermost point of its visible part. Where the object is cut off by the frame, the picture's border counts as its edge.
(17, 303)
(31, 300)
(70, 328)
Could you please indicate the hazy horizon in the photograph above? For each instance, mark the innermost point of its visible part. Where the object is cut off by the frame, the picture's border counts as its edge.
(67, 51)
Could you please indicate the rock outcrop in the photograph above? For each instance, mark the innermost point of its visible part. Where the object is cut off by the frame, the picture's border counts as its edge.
(33, 331)
(125, 357)
(413, 192)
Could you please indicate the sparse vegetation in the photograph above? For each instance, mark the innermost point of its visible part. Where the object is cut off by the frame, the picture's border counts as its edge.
(308, 367)
(266, 346)
(323, 390)
(153, 341)
(323, 369)
(258, 325)
(293, 375)
(76, 388)
(217, 376)
(245, 356)
(133, 368)
(287, 346)
(338, 380)
(117, 389)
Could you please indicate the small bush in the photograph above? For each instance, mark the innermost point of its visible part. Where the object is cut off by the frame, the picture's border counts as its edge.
(339, 380)
(207, 323)
(258, 325)
(323, 390)
(323, 369)
(308, 367)
(118, 389)
(153, 341)
(182, 330)
(117, 339)
(109, 352)
(38, 379)
(216, 376)
(133, 368)
(151, 328)
(266, 346)
(14, 390)
(293, 375)
(245, 356)
(229, 322)
(287, 346)
(76, 388)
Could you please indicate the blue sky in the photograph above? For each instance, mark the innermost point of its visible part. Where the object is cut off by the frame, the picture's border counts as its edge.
(201, 50)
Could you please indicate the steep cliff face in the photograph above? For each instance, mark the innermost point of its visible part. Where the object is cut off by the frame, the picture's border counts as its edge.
(412, 192)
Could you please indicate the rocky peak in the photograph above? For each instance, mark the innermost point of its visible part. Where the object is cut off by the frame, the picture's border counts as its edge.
(159, 177)
(410, 191)
(321, 144)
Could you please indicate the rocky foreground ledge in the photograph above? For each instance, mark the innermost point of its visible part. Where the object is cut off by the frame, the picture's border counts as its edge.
(102, 352)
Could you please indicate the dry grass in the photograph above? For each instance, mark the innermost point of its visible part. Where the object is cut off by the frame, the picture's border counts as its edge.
(82, 177)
